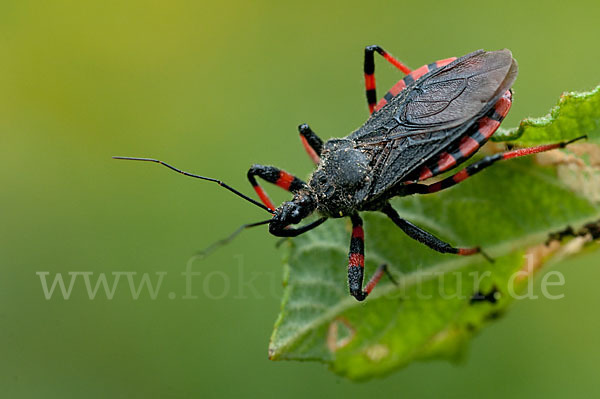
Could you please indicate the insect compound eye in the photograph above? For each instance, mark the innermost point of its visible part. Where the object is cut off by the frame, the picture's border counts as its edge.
(294, 214)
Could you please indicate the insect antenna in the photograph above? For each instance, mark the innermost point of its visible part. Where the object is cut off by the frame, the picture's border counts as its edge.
(208, 250)
(219, 182)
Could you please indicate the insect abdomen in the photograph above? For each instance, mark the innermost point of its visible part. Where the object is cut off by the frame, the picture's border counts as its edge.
(469, 143)
(411, 78)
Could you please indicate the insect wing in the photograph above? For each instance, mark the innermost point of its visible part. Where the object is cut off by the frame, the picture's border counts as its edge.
(433, 113)
(459, 92)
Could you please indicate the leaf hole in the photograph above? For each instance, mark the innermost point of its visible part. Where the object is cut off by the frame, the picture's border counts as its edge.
(340, 334)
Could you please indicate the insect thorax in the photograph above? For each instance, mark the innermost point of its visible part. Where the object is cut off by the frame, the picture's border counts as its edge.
(340, 179)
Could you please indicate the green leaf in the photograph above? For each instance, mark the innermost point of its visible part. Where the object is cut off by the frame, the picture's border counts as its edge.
(575, 115)
(508, 209)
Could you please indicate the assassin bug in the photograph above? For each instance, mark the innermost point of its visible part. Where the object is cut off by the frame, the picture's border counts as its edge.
(432, 120)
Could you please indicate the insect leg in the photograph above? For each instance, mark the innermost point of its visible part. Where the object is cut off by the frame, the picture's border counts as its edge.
(480, 165)
(311, 142)
(356, 263)
(427, 238)
(276, 176)
(369, 69)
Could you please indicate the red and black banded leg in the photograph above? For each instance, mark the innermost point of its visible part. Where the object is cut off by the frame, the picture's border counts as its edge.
(276, 176)
(311, 142)
(369, 69)
(480, 165)
(424, 237)
(356, 263)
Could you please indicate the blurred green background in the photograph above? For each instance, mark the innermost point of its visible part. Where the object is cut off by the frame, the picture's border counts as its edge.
(213, 87)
